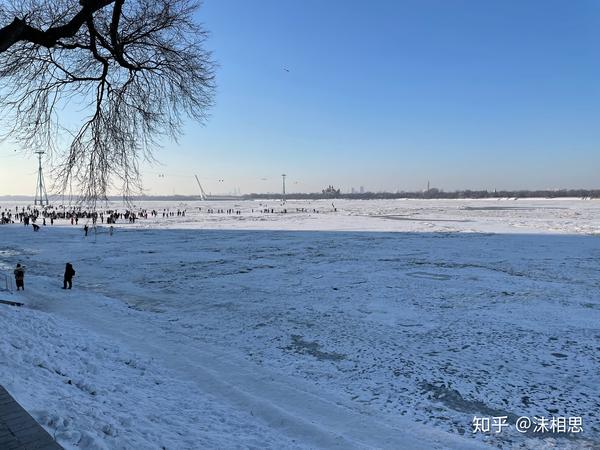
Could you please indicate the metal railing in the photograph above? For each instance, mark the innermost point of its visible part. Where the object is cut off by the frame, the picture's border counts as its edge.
(6, 283)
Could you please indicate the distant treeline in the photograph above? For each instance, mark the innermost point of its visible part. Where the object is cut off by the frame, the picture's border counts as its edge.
(430, 194)
(438, 194)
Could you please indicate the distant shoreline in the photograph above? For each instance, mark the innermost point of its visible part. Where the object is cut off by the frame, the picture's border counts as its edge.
(433, 194)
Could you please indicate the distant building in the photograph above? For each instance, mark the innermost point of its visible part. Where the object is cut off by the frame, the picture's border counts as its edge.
(332, 192)
(362, 189)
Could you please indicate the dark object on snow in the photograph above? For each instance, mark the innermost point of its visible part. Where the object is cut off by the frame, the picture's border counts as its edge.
(36, 227)
(9, 303)
(20, 276)
(69, 274)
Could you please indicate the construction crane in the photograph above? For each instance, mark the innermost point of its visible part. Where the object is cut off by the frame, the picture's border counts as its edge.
(203, 195)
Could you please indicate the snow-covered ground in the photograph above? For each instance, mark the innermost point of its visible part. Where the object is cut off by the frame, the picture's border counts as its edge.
(384, 324)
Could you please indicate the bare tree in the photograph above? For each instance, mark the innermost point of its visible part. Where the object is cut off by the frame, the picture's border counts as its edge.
(100, 82)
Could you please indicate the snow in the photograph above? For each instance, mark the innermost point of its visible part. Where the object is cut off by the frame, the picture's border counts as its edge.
(385, 324)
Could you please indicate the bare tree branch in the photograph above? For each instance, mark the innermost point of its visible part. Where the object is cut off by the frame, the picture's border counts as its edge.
(19, 30)
(129, 70)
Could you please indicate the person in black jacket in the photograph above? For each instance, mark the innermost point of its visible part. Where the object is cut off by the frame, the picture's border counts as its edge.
(20, 277)
(69, 274)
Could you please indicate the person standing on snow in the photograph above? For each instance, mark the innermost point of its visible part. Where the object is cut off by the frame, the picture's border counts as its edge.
(69, 274)
(20, 277)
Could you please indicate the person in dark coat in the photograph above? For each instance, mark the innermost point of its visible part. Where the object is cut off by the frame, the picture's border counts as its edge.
(20, 277)
(69, 274)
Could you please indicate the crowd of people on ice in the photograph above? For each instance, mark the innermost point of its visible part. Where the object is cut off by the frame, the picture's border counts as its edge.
(42, 216)
(29, 215)
(33, 216)
(46, 216)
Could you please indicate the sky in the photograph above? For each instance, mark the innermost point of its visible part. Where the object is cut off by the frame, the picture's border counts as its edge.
(465, 94)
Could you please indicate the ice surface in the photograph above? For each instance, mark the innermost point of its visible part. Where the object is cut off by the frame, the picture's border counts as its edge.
(385, 324)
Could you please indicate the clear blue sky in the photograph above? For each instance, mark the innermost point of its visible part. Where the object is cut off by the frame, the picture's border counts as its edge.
(390, 94)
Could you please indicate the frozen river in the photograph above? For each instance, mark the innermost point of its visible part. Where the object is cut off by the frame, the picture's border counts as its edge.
(351, 324)
(494, 215)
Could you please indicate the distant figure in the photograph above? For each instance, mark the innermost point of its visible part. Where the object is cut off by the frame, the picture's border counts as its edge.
(110, 230)
(69, 274)
(85, 229)
(36, 227)
(20, 277)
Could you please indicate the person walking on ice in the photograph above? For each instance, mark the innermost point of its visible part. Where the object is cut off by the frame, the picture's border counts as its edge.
(20, 277)
(69, 274)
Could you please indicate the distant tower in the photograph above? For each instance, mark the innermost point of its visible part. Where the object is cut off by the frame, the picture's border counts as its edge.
(427, 185)
(283, 178)
(41, 195)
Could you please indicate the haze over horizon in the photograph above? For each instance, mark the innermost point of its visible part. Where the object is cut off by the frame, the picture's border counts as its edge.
(389, 95)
